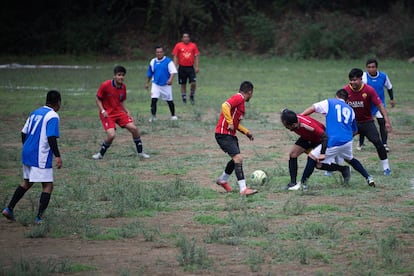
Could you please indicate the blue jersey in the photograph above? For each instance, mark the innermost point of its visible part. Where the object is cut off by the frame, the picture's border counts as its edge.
(379, 81)
(340, 121)
(161, 70)
(41, 124)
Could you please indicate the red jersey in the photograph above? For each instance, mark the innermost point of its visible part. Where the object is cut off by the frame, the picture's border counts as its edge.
(112, 97)
(185, 53)
(237, 110)
(310, 129)
(361, 101)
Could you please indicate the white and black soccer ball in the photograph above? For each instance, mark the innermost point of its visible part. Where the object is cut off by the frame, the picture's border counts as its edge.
(258, 177)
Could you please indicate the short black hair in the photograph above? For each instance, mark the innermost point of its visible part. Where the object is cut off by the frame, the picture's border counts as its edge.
(372, 60)
(342, 94)
(53, 97)
(355, 73)
(288, 117)
(246, 86)
(119, 69)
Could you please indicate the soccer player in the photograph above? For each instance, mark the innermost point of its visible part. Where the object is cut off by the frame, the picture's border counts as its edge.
(232, 112)
(186, 59)
(161, 71)
(378, 80)
(362, 97)
(39, 138)
(110, 101)
(341, 126)
(311, 133)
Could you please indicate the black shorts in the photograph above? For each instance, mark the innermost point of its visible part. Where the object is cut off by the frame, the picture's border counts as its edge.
(228, 143)
(186, 72)
(307, 145)
(369, 130)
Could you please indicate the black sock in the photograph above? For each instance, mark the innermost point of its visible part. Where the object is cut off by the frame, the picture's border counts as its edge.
(358, 167)
(18, 194)
(293, 169)
(238, 168)
(43, 203)
(184, 96)
(154, 106)
(172, 107)
(138, 144)
(104, 148)
(229, 167)
(310, 166)
(332, 167)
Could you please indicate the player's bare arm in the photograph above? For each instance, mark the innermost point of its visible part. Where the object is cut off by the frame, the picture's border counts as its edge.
(101, 108)
(308, 111)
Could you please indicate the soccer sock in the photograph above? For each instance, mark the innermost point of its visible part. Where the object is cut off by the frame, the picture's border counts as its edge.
(18, 194)
(184, 96)
(229, 167)
(293, 169)
(309, 168)
(104, 147)
(172, 107)
(192, 92)
(358, 167)
(43, 203)
(242, 185)
(383, 130)
(385, 164)
(238, 168)
(138, 144)
(154, 106)
(332, 167)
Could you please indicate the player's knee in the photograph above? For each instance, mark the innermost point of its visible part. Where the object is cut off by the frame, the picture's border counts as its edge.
(238, 158)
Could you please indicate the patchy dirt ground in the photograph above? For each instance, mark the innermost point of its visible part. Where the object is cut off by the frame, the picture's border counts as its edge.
(159, 257)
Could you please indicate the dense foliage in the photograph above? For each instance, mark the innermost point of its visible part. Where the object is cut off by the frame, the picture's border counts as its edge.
(299, 28)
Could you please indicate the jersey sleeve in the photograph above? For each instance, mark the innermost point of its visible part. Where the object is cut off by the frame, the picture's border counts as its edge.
(150, 69)
(101, 90)
(171, 68)
(387, 83)
(52, 127)
(175, 50)
(321, 107)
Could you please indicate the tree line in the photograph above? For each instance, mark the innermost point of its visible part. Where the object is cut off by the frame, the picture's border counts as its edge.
(298, 28)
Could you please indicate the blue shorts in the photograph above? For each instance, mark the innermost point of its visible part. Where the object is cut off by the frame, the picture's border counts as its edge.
(228, 143)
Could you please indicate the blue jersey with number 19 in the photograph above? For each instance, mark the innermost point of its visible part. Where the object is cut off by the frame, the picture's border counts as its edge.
(340, 121)
(41, 124)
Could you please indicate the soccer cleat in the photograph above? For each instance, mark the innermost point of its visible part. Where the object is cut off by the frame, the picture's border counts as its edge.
(293, 186)
(387, 172)
(38, 220)
(305, 188)
(248, 192)
(152, 119)
(370, 181)
(174, 118)
(387, 148)
(8, 214)
(97, 156)
(226, 186)
(359, 147)
(143, 155)
(328, 173)
(346, 174)
(192, 100)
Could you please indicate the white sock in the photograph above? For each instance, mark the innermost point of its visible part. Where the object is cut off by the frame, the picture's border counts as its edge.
(385, 164)
(224, 176)
(242, 184)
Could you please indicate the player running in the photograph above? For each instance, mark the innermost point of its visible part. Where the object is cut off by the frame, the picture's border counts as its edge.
(361, 97)
(340, 129)
(232, 112)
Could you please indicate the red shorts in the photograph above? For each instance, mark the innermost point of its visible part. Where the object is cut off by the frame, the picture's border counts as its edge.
(122, 119)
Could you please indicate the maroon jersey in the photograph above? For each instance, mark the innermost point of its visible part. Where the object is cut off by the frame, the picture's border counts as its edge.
(111, 97)
(237, 110)
(361, 102)
(310, 129)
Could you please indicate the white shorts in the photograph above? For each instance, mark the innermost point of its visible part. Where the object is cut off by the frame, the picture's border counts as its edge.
(34, 174)
(335, 154)
(378, 115)
(164, 91)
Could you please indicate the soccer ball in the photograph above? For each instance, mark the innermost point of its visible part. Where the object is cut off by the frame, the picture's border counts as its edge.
(258, 177)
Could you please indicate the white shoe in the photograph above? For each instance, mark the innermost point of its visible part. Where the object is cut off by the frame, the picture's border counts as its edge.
(143, 155)
(328, 173)
(174, 118)
(152, 119)
(295, 188)
(97, 156)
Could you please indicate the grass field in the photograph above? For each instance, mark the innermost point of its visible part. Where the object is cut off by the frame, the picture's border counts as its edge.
(165, 216)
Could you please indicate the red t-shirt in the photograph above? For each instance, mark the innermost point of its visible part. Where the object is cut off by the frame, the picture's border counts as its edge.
(310, 129)
(361, 101)
(185, 53)
(112, 97)
(237, 110)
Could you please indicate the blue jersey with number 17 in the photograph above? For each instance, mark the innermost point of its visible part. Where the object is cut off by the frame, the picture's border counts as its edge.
(41, 124)
(340, 121)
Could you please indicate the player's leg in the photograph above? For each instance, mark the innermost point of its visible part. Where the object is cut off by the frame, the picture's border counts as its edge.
(241, 181)
(297, 149)
(109, 125)
(155, 94)
(132, 128)
(47, 188)
(182, 81)
(166, 95)
(383, 133)
(361, 142)
(18, 194)
(359, 168)
(373, 136)
(153, 109)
